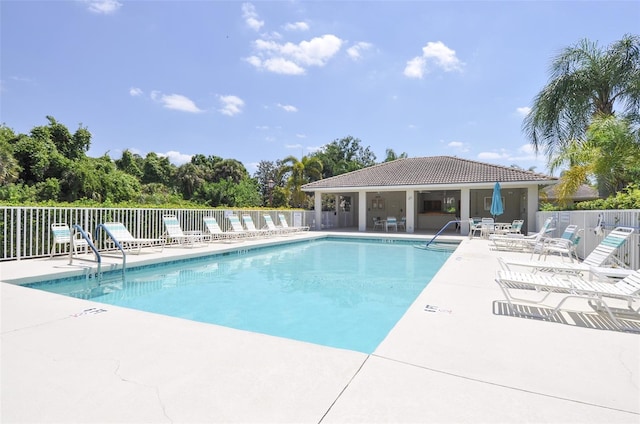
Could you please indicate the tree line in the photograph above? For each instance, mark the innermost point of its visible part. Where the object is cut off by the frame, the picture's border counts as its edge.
(50, 164)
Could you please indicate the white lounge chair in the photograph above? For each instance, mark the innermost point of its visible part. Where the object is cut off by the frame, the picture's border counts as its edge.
(378, 224)
(117, 232)
(251, 228)
(214, 232)
(62, 236)
(271, 226)
(627, 289)
(598, 262)
(521, 242)
(174, 232)
(283, 222)
(238, 228)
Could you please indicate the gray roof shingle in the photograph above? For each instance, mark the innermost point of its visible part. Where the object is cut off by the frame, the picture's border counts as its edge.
(431, 170)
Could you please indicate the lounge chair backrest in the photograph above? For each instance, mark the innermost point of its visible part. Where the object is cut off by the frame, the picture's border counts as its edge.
(269, 222)
(487, 220)
(236, 225)
(118, 231)
(607, 247)
(248, 222)
(630, 284)
(391, 220)
(173, 226)
(283, 220)
(212, 225)
(570, 232)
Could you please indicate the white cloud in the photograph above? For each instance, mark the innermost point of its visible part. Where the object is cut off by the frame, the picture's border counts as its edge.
(314, 148)
(251, 16)
(287, 108)
(301, 136)
(436, 54)
(492, 155)
(459, 146)
(134, 91)
(231, 105)
(290, 58)
(297, 26)
(293, 146)
(523, 111)
(415, 67)
(355, 51)
(103, 6)
(178, 102)
(176, 158)
(282, 66)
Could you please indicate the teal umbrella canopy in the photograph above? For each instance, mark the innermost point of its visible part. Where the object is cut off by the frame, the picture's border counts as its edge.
(496, 201)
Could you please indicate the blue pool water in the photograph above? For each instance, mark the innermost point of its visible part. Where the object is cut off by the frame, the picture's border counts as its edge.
(341, 293)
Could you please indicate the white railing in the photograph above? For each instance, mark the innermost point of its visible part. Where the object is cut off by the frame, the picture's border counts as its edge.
(25, 232)
(629, 253)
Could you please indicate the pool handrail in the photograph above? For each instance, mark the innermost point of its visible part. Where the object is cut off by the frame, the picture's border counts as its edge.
(115, 242)
(457, 221)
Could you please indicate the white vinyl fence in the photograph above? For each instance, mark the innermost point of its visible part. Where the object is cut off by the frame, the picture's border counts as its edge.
(25, 232)
(587, 221)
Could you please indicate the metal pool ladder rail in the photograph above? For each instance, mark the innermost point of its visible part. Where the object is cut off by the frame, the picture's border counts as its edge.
(438, 233)
(115, 242)
(86, 237)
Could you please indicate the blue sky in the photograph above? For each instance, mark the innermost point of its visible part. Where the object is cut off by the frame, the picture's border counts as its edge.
(264, 80)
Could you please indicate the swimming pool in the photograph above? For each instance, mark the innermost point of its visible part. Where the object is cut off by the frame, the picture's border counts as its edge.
(342, 293)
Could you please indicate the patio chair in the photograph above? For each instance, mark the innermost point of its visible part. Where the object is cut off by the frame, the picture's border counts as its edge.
(565, 245)
(486, 227)
(402, 224)
(283, 222)
(598, 262)
(475, 227)
(62, 236)
(214, 232)
(568, 287)
(378, 224)
(532, 242)
(117, 232)
(391, 222)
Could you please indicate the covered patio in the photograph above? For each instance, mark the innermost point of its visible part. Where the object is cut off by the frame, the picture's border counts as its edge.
(426, 194)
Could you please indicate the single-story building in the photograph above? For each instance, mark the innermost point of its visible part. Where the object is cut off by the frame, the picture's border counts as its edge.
(429, 192)
(585, 192)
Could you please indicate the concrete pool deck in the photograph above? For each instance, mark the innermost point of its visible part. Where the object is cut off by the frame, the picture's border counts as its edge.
(71, 360)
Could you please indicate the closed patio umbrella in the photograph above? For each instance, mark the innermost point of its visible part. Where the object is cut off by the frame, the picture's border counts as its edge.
(496, 201)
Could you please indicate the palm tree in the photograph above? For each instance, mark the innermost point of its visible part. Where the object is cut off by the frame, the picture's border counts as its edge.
(308, 169)
(585, 81)
(391, 155)
(610, 153)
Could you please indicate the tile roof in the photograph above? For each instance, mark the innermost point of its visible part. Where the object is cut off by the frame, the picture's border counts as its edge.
(431, 170)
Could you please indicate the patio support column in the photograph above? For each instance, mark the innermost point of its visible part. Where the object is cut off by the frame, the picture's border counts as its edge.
(336, 210)
(532, 207)
(362, 211)
(465, 209)
(317, 206)
(411, 211)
